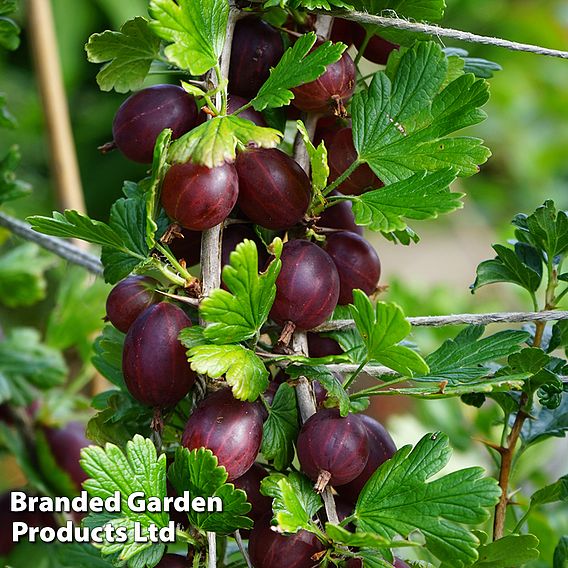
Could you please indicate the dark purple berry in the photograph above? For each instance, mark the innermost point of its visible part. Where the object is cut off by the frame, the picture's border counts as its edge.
(128, 299)
(269, 549)
(329, 93)
(274, 191)
(66, 444)
(142, 117)
(257, 47)
(250, 484)
(330, 443)
(381, 448)
(320, 346)
(307, 287)
(8, 517)
(173, 561)
(230, 428)
(198, 197)
(154, 362)
(357, 264)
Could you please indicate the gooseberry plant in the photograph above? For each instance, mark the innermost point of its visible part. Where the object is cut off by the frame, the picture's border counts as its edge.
(216, 388)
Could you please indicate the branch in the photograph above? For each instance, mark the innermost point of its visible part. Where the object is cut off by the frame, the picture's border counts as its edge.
(460, 319)
(211, 239)
(400, 24)
(60, 247)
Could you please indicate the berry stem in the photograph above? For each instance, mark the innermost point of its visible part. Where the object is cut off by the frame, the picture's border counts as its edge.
(335, 184)
(352, 378)
(368, 36)
(174, 262)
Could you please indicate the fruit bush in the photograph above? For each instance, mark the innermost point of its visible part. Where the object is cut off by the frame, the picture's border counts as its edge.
(267, 156)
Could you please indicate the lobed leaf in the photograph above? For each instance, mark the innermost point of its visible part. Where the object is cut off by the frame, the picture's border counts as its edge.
(215, 141)
(10, 186)
(421, 196)
(294, 500)
(194, 29)
(127, 55)
(281, 428)
(296, 67)
(401, 125)
(244, 372)
(398, 500)
(199, 473)
(381, 328)
(238, 314)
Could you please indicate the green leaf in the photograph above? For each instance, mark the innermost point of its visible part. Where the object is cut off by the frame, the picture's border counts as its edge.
(339, 535)
(26, 363)
(72, 224)
(244, 372)
(7, 7)
(508, 552)
(281, 428)
(107, 358)
(13, 441)
(9, 34)
(462, 359)
(309, 4)
(121, 417)
(294, 500)
(10, 186)
(328, 380)
(397, 500)
(547, 423)
(127, 55)
(198, 473)
(73, 554)
(152, 185)
(128, 220)
(521, 266)
(22, 275)
(561, 553)
(138, 469)
(481, 68)
(381, 328)
(296, 67)
(487, 385)
(58, 479)
(215, 141)
(194, 29)
(559, 337)
(318, 160)
(7, 120)
(401, 127)
(238, 314)
(551, 493)
(546, 230)
(78, 312)
(421, 196)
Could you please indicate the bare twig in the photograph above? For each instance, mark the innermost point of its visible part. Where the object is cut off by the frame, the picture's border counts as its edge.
(211, 550)
(211, 239)
(242, 548)
(60, 247)
(460, 319)
(401, 24)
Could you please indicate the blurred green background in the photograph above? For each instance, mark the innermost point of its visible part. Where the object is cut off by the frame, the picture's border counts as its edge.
(526, 130)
